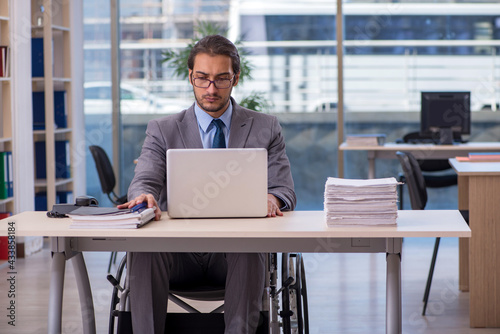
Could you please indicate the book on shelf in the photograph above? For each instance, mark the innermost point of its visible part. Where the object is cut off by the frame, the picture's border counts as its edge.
(60, 113)
(6, 175)
(38, 99)
(4, 60)
(41, 201)
(62, 197)
(361, 202)
(121, 219)
(62, 163)
(37, 57)
(10, 167)
(480, 157)
(365, 139)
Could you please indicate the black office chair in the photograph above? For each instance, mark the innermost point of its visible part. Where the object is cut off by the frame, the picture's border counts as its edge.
(292, 318)
(106, 174)
(418, 198)
(108, 182)
(436, 173)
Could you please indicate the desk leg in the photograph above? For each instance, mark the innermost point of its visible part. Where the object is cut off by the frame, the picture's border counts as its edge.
(371, 164)
(56, 292)
(463, 243)
(393, 294)
(85, 294)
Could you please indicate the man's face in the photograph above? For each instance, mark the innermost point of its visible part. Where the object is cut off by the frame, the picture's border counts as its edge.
(213, 100)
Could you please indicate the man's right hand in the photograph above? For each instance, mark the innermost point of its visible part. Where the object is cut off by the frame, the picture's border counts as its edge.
(141, 199)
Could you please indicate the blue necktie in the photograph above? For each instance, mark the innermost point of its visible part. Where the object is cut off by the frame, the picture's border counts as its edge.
(219, 140)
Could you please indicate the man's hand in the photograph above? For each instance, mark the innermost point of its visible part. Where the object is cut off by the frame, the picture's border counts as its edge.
(141, 199)
(273, 206)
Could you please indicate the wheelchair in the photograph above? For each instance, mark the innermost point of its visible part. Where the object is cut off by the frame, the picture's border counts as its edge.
(285, 308)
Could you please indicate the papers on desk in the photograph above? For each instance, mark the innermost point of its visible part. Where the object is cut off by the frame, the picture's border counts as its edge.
(365, 139)
(481, 157)
(114, 220)
(361, 202)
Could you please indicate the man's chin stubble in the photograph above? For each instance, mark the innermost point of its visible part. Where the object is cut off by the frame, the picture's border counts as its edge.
(214, 109)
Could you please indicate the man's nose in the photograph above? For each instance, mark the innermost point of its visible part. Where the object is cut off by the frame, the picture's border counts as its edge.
(212, 88)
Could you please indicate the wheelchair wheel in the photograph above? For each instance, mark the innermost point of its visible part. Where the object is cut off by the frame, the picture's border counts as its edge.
(295, 314)
(115, 299)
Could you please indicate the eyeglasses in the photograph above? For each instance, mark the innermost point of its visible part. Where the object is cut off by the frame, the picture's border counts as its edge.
(218, 83)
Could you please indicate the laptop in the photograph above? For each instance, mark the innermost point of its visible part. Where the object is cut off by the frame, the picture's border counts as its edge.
(217, 183)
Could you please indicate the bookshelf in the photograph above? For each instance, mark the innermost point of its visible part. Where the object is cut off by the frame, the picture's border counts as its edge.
(60, 25)
(52, 80)
(6, 178)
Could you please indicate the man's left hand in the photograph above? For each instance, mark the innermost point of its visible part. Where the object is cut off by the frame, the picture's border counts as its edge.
(273, 206)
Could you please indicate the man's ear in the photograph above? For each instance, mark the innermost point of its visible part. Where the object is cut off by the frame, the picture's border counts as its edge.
(236, 79)
(190, 77)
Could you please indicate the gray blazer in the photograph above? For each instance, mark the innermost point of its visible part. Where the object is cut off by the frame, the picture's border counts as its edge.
(249, 129)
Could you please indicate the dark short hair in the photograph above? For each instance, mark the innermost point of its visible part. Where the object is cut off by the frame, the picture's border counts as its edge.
(215, 45)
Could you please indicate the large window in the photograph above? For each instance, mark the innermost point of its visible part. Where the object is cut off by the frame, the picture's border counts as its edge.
(395, 51)
(392, 52)
(422, 27)
(97, 91)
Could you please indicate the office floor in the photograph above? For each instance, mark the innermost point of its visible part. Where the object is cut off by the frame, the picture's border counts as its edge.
(346, 292)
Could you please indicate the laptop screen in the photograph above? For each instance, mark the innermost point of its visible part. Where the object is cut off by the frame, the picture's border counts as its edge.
(209, 183)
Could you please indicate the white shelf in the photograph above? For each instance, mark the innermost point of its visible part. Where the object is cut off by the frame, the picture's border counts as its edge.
(40, 183)
(54, 27)
(59, 182)
(60, 28)
(42, 79)
(4, 18)
(62, 182)
(61, 79)
(56, 131)
(4, 78)
(5, 140)
(63, 130)
(6, 200)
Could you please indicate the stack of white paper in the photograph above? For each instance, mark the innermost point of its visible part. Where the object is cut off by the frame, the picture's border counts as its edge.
(365, 140)
(113, 220)
(361, 202)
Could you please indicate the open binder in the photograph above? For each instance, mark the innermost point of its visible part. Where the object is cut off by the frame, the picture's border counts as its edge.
(117, 219)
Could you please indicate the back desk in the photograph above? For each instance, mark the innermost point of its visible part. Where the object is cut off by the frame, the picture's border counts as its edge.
(298, 231)
(484, 310)
(420, 151)
(479, 192)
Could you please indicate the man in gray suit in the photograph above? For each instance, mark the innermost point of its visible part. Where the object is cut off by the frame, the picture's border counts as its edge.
(214, 68)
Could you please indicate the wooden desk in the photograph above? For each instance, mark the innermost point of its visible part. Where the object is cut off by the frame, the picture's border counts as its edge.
(479, 192)
(420, 151)
(298, 231)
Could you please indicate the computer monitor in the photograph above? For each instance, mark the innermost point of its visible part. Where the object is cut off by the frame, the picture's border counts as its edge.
(445, 116)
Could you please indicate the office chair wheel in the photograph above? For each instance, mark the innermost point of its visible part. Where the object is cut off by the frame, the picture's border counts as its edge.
(294, 313)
